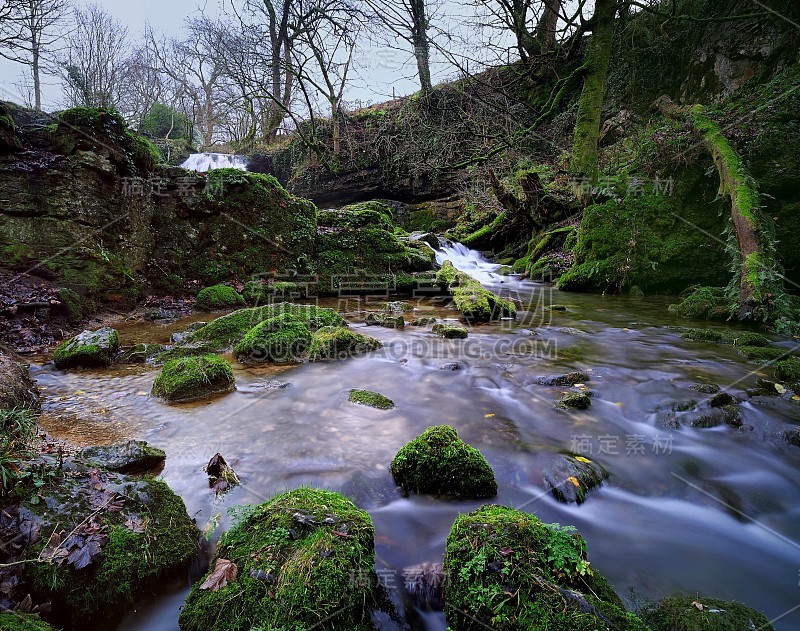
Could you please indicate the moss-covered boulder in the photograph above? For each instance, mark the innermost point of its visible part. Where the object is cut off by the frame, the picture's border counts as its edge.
(473, 300)
(191, 378)
(570, 477)
(17, 389)
(371, 399)
(440, 463)
(126, 535)
(507, 570)
(575, 400)
(568, 379)
(304, 559)
(704, 303)
(134, 456)
(356, 247)
(91, 349)
(339, 342)
(140, 353)
(788, 370)
(227, 330)
(16, 621)
(450, 331)
(693, 613)
(218, 297)
(727, 336)
(280, 339)
(389, 320)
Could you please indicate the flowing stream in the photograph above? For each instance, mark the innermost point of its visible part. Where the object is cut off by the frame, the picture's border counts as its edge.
(713, 511)
(204, 162)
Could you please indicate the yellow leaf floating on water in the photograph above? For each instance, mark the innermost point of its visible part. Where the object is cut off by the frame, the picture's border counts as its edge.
(574, 480)
(142, 393)
(582, 459)
(618, 403)
(488, 415)
(795, 398)
(79, 392)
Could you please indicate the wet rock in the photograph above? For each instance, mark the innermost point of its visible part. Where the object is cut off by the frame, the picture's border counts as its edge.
(135, 456)
(512, 552)
(720, 399)
(283, 338)
(705, 388)
(723, 336)
(556, 308)
(571, 331)
(667, 412)
(451, 366)
(385, 319)
(111, 519)
(422, 322)
(218, 297)
(181, 337)
(575, 400)
(397, 306)
(312, 550)
(17, 389)
(568, 379)
(450, 331)
(792, 436)
(767, 387)
(438, 462)
(332, 343)
(570, 478)
(192, 378)
(140, 353)
(788, 371)
(727, 414)
(221, 475)
(371, 399)
(91, 349)
(693, 613)
(273, 384)
(424, 583)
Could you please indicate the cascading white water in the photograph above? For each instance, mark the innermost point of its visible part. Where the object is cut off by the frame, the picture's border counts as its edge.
(469, 261)
(207, 161)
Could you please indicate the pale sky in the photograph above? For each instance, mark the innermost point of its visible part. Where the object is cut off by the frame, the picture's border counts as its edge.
(379, 70)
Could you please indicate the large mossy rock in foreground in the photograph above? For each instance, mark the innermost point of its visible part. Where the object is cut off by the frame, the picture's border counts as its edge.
(692, 613)
(191, 378)
(473, 300)
(304, 559)
(126, 535)
(226, 331)
(134, 456)
(91, 349)
(17, 389)
(23, 622)
(507, 570)
(440, 463)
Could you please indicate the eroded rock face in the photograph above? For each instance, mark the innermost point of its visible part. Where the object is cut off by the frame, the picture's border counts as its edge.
(17, 389)
(134, 456)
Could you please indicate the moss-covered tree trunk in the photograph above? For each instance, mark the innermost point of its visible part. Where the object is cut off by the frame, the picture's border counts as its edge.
(587, 124)
(546, 28)
(757, 259)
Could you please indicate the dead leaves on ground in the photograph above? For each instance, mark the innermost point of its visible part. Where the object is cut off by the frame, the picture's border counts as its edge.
(224, 572)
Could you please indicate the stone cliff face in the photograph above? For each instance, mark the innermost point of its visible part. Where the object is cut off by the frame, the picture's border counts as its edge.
(83, 203)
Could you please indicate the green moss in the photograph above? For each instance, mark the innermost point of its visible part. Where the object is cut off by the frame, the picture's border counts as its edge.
(576, 400)
(140, 353)
(23, 622)
(72, 303)
(372, 399)
(788, 370)
(388, 320)
(450, 331)
(507, 570)
(473, 300)
(305, 559)
(132, 562)
(189, 378)
(705, 303)
(229, 329)
(758, 353)
(679, 613)
(282, 338)
(440, 463)
(218, 297)
(723, 336)
(339, 342)
(91, 349)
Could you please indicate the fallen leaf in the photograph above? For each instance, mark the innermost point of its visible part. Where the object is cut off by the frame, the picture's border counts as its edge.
(574, 481)
(224, 571)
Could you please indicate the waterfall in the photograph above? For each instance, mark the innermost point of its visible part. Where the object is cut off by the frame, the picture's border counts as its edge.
(469, 261)
(207, 161)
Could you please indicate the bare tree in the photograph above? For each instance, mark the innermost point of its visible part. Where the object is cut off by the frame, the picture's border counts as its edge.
(141, 85)
(408, 21)
(30, 33)
(94, 58)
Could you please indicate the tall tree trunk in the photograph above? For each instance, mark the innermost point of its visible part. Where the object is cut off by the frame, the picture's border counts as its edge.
(598, 56)
(37, 85)
(546, 28)
(335, 124)
(420, 43)
(757, 274)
